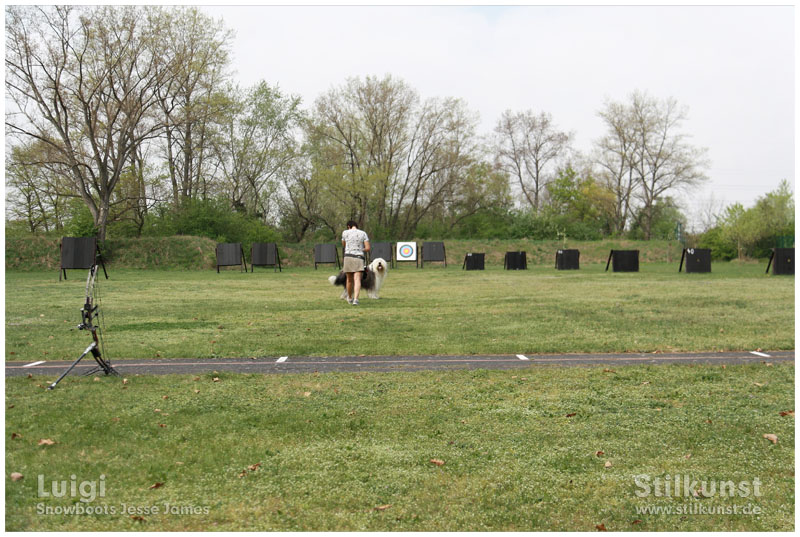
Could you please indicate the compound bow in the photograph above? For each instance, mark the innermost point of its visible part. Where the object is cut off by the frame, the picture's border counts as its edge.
(89, 313)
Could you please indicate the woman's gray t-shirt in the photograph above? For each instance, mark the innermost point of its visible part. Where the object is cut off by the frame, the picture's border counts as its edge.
(354, 240)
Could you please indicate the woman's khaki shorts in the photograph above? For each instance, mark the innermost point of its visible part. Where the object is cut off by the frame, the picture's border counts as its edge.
(352, 264)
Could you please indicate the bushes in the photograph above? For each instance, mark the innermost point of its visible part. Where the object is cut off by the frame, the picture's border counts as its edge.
(189, 253)
(80, 222)
(528, 225)
(199, 253)
(208, 218)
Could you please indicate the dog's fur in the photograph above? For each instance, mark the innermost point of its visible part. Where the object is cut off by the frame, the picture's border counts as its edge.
(371, 278)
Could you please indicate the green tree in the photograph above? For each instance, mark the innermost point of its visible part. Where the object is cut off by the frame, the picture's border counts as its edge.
(196, 58)
(256, 148)
(740, 227)
(581, 199)
(382, 157)
(36, 192)
(665, 217)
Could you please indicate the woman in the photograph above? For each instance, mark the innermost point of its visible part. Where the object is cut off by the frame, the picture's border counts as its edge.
(355, 244)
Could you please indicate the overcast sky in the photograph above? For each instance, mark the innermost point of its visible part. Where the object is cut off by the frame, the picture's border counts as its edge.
(732, 66)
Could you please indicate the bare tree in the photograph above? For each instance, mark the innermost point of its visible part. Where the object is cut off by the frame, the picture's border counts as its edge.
(615, 157)
(665, 161)
(84, 84)
(644, 156)
(528, 147)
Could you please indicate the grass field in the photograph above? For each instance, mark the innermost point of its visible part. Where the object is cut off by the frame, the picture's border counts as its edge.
(536, 449)
(202, 314)
(541, 448)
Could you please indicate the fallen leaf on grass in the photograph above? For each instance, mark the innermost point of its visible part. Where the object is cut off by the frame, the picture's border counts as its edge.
(601, 527)
(687, 456)
(138, 518)
(215, 379)
(254, 467)
(124, 381)
(165, 396)
(709, 421)
(383, 507)
(162, 424)
(637, 521)
(243, 474)
(787, 413)
(197, 391)
(772, 438)
(571, 414)
(608, 371)
(196, 378)
(608, 464)
(156, 410)
(306, 394)
(758, 384)
(114, 419)
(156, 486)
(645, 383)
(46, 442)
(16, 476)
(599, 453)
(14, 436)
(97, 379)
(437, 462)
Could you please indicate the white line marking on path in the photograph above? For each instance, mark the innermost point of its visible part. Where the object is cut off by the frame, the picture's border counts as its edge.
(281, 359)
(522, 357)
(760, 354)
(34, 363)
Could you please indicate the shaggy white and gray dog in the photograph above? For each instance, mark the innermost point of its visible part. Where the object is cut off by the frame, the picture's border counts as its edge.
(371, 279)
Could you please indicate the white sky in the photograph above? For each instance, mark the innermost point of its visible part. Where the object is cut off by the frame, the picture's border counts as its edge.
(732, 66)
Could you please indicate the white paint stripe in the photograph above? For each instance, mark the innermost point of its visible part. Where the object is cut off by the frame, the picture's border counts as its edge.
(281, 359)
(34, 363)
(522, 357)
(760, 354)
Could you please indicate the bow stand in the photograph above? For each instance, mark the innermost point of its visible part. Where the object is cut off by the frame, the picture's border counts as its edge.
(90, 313)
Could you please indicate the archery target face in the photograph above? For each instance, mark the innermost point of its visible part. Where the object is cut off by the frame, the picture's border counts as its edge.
(406, 251)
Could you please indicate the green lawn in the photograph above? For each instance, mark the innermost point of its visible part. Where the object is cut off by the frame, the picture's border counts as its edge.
(201, 314)
(520, 449)
(540, 448)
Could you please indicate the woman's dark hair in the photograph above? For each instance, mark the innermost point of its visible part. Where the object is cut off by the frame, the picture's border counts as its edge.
(351, 223)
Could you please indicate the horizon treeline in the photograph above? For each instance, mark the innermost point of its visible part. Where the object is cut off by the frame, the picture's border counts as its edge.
(125, 121)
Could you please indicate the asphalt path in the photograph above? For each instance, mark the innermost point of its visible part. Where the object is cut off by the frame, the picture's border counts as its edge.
(311, 364)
